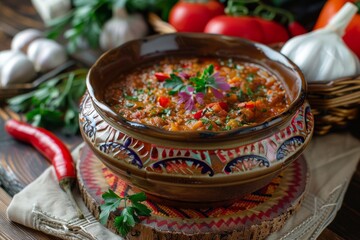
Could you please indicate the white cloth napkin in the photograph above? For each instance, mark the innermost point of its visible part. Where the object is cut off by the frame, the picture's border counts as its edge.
(332, 159)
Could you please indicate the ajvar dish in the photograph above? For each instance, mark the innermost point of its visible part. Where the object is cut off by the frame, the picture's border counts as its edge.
(198, 94)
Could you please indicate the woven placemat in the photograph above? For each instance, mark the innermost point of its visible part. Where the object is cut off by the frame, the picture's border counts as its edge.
(255, 216)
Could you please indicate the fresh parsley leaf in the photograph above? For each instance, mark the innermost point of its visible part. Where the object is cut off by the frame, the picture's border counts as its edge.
(83, 23)
(205, 120)
(175, 83)
(166, 112)
(249, 92)
(208, 71)
(121, 226)
(250, 77)
(141, 209)
(129, 215)
(54, 103)
(111, 203)
(138, 197)
(132, 98)
(204, 80)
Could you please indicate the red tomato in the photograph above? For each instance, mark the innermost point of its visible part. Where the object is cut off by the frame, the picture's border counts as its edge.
(352, 35)
(273, 31)
(164, 101)
(296, 29)
(246, 27)
(193, 16)
(161, 76)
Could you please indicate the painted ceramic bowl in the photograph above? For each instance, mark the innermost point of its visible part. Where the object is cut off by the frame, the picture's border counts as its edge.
(194, 168)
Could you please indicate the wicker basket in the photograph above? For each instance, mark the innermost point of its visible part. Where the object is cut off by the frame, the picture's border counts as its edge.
(333, 103)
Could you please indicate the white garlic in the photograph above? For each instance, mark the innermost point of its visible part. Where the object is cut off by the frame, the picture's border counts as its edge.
(122, 28)
(15, 67)
(51, 9)
(322, 54)
(46, 54)
(22, 39)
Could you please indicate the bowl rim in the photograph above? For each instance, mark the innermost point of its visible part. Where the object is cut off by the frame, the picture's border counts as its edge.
(154, 132)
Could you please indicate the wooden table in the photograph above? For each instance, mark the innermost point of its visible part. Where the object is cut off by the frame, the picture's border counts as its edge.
(20, 164)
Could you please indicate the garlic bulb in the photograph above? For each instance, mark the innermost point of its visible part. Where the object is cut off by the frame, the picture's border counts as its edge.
(122, 28)
(15, 67)
(322, 54)
(22, 39)
(46, 54)
(51, 9)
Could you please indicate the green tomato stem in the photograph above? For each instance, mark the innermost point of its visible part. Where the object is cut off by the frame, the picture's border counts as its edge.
(242, 8)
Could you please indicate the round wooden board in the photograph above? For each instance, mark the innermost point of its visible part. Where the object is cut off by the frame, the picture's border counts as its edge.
(255, 216)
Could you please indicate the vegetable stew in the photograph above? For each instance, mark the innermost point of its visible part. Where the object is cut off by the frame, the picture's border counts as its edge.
(192, 94)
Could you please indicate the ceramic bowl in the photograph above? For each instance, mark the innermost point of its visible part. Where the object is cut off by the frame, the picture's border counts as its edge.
(194, 168)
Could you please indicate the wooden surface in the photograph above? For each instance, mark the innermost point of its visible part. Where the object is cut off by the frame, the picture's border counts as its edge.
(20, 164)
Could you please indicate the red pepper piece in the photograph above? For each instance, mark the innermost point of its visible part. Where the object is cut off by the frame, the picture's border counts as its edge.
(164, 101)
(250, 105)
(161, 76)
(224, 106)
(296, 29)
(217, 67)
(198, 114)
(52, 148)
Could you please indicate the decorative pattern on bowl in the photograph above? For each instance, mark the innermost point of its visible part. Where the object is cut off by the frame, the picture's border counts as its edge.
(275, 150)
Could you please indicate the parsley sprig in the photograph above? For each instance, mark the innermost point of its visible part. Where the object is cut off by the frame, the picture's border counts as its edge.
(175, 83)
(54, 103)
(205, 80)
(129, 215)
(199, 86)
(84, 22)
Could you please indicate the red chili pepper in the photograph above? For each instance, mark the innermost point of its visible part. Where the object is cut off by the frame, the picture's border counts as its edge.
(161, 76)
(198, 114)
(296, 29)
(164, 101)
(52, 148)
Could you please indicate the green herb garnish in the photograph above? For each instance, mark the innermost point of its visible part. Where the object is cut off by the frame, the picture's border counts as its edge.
(84, 23)
(129, 105)
(54, 103)
(131, 98)
(130, 212)
(205, 120)
(175, 83)
(204, 80)
(249, 92)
